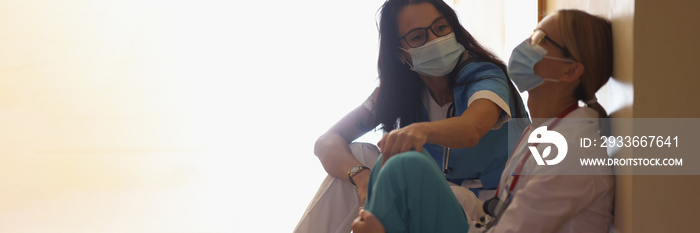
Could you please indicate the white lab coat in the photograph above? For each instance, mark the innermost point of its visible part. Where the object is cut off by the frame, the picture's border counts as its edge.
(559, 203)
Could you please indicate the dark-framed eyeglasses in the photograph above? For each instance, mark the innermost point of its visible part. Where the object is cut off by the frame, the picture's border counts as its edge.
(419, 36)
(537, 37)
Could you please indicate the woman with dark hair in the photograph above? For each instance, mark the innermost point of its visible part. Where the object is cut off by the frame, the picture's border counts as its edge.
(440, 93)
(565, 61)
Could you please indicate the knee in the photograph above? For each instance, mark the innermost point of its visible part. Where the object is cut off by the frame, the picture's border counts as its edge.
(366, 153)
(411, 159)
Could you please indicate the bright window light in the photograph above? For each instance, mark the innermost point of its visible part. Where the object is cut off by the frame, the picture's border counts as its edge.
(177, 116)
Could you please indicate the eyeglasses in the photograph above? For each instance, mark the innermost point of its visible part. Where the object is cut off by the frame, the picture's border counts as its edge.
(537, 37)
(419, 36)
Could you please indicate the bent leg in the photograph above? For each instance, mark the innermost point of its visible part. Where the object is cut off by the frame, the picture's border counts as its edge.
(410, 194)
(336, 202)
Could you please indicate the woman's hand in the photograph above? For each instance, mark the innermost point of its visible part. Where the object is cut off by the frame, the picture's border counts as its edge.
(411, 137)
(367, 223)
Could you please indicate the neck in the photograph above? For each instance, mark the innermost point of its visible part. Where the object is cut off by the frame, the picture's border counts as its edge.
(544, 107)
(440, 89)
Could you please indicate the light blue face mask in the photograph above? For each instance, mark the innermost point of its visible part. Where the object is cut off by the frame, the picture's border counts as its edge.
(438, 57)
(522, 63)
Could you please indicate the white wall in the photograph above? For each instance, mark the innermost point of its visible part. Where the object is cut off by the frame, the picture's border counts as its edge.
(172, 116)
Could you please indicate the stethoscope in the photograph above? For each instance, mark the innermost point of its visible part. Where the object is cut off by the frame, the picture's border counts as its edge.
(451, 112)
(494, 207)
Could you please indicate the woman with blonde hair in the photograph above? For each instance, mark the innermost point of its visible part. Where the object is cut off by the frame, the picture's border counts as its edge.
(564, 62)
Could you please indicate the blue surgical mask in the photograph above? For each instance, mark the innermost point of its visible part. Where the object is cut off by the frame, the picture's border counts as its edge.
(438, 57)
(522, 63)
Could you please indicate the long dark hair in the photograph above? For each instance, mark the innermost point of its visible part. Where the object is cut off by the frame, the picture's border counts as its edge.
(400, 89)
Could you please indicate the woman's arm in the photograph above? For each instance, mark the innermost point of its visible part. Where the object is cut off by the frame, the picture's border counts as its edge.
(332, 147)
(457, 132)
(483, 88)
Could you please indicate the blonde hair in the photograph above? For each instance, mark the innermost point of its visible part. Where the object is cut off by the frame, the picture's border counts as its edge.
(589, 40)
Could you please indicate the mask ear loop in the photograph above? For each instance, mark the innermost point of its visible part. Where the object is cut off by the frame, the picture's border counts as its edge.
(551, 80)
(560, 59)
(405, 61)
(557, 59)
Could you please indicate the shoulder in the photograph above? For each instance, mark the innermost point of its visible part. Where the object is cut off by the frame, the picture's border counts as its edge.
(479, 69)
(582, 122)
(478, 76)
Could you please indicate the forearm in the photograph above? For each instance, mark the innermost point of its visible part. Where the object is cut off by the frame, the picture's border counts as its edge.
(456, 132)
(336, 157)
(465, 130)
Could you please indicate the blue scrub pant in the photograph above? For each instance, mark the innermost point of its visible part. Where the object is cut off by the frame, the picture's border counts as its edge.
(410, 194)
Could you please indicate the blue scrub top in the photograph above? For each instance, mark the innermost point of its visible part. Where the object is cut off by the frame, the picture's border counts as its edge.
(488, 158)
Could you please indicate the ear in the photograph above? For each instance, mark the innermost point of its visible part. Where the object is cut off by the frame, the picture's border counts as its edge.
(573, 72)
